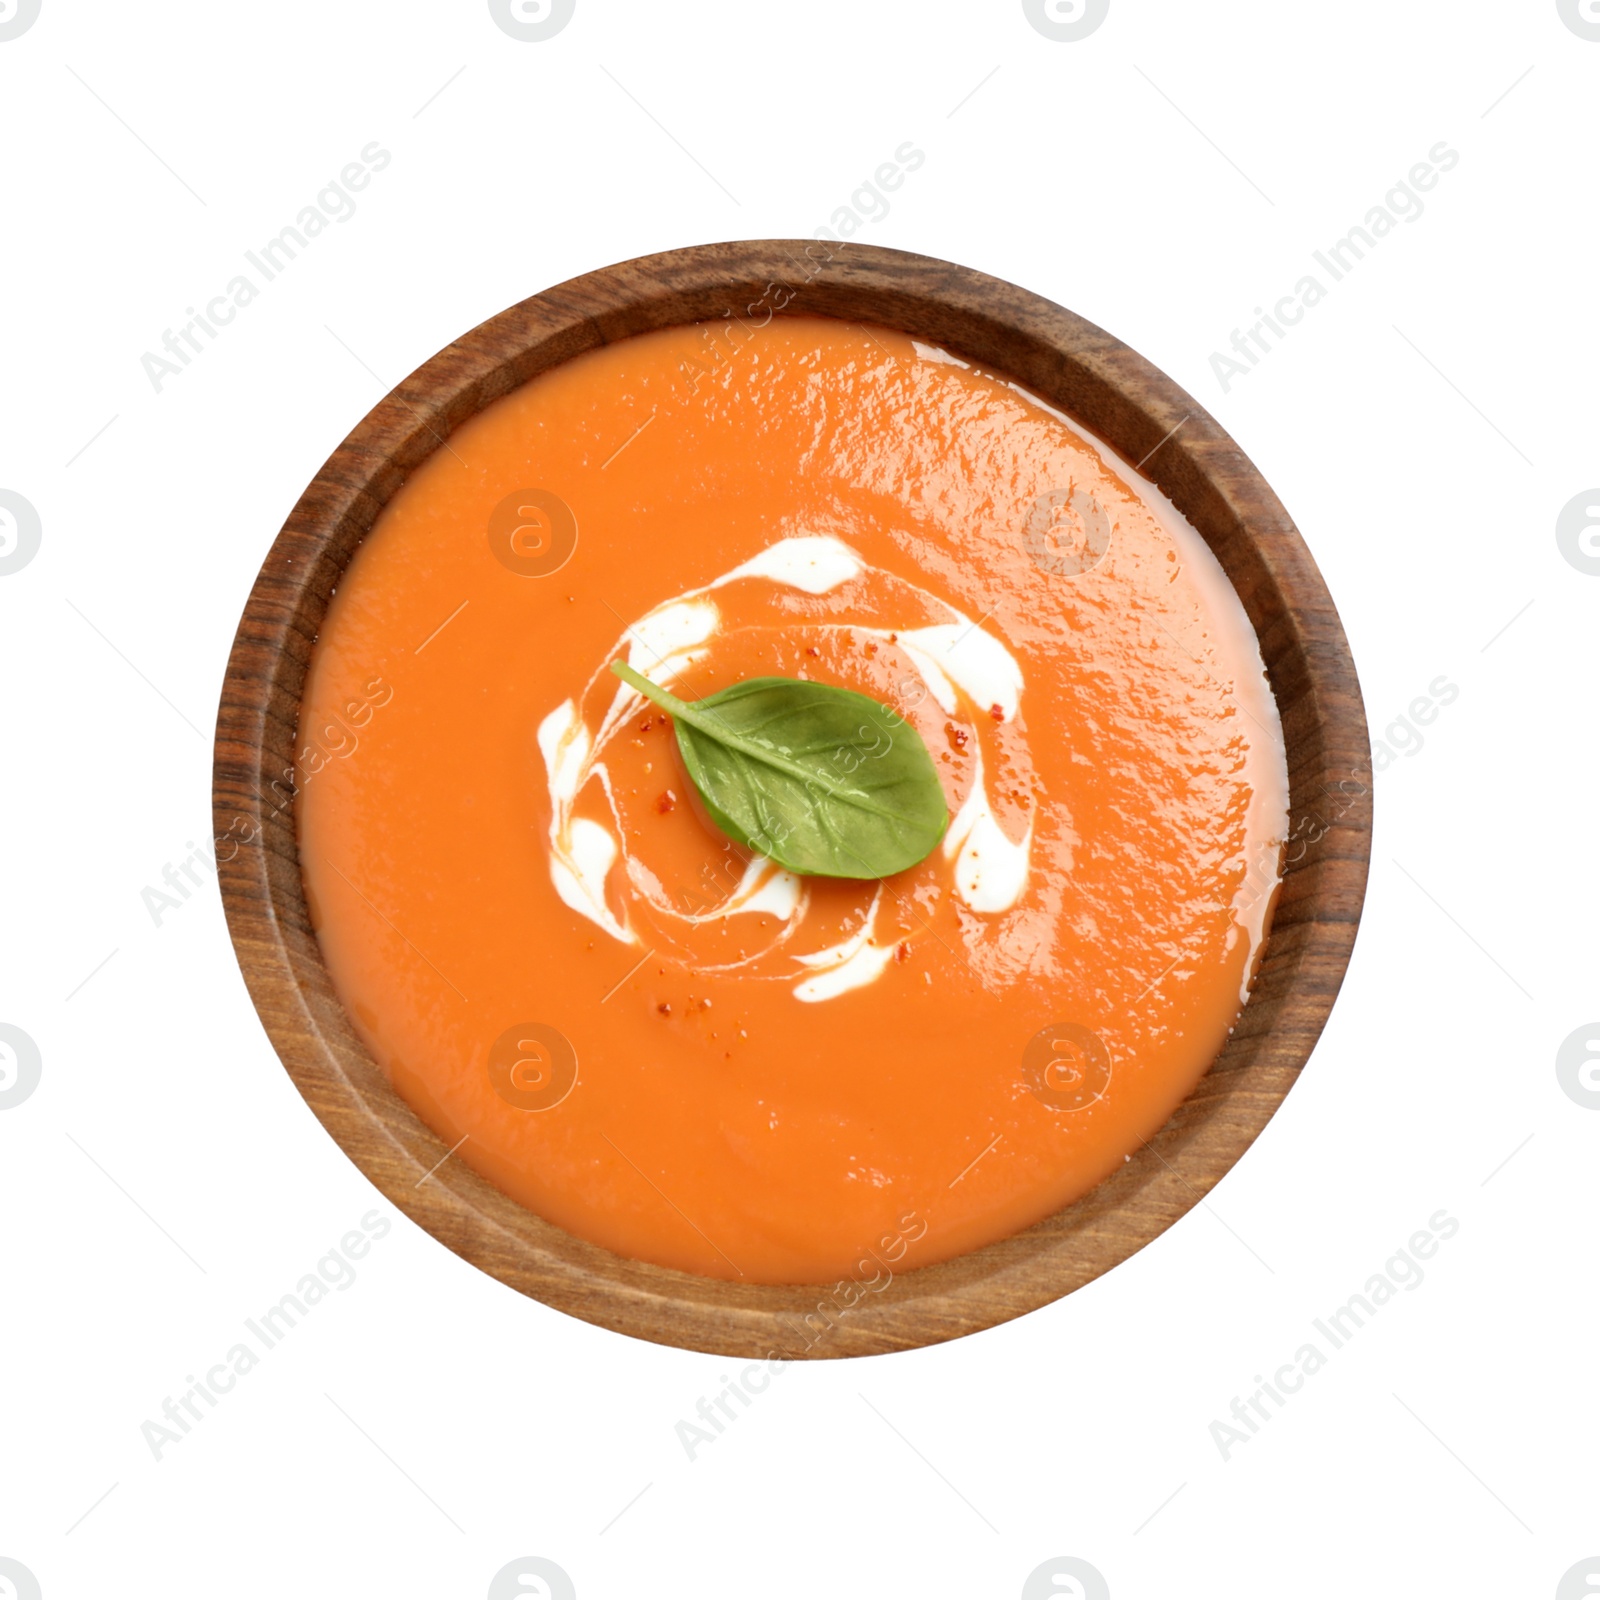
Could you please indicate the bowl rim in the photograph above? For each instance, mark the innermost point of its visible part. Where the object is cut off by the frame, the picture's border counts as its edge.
(1106, 387)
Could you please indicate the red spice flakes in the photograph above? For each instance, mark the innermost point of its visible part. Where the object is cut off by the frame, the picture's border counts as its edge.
(902, 951)
(811, 650)
(957, 736)
(665, 1008)
(871, 647)
(998, 713)
(666, 801)
(647, 724)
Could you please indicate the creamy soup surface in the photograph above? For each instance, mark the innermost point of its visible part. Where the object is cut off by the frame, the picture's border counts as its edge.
(674, 1048)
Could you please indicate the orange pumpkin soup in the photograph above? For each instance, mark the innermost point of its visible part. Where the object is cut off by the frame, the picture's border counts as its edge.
(669, 1045)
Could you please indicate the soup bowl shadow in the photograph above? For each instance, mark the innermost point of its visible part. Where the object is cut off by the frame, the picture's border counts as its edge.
(1106, 387)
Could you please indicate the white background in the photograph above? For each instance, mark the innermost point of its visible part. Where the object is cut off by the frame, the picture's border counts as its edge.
(1424, 425)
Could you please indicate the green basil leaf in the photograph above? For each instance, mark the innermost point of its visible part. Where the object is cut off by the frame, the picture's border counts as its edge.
(821, 779)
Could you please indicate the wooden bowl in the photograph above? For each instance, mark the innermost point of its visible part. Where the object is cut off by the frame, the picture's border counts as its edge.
(1114, 393)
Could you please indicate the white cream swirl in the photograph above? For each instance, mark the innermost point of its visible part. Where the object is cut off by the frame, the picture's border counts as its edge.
(954, 658)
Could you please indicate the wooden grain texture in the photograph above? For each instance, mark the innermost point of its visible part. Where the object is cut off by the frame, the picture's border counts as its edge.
(1075, 366)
